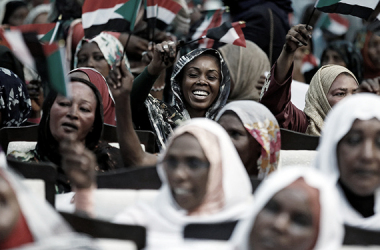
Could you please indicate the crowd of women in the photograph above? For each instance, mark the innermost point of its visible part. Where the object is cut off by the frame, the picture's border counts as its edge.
(216, 114)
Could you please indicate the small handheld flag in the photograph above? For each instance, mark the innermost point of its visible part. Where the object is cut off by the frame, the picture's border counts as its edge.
(362, 9)
(228, 33)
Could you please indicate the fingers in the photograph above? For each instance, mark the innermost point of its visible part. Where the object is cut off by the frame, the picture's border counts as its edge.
(297, 36)
(370, 85)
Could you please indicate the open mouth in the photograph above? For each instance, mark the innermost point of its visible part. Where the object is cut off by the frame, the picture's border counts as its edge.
(181, 191)
(69, 126)
(200, 94)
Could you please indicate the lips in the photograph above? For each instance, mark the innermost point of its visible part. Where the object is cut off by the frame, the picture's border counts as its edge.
(69, 126)
(200, 94)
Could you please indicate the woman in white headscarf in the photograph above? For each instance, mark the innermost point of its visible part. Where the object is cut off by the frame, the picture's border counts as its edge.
(203, 180)
(349, 152)
(255, 133)
(296, 208)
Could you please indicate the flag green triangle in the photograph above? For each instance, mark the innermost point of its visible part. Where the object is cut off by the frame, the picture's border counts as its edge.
(129, 11)
(47, 36)
(324, 3)
(57, 74)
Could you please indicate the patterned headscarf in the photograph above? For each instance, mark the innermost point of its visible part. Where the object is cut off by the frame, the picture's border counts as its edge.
(263, 126)
(109, 45)
(317, 105)
(164, 117)
(176, 81)
(15, 104)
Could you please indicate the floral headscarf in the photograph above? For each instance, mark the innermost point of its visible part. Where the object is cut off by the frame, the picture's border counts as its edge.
(109, 45)
(15, 104)
(263, 126)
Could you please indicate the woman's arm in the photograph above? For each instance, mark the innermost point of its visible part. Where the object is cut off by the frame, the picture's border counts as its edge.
(121, 81)
(276, 93)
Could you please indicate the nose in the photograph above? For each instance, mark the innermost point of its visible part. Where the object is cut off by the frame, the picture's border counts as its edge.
(368, 150)
(73, 112)
(281, 222)
(180, 173)
(90, 62)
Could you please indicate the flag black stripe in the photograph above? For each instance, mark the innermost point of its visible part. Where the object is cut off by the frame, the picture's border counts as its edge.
(116, 25)
(219, 32)
(343, 8)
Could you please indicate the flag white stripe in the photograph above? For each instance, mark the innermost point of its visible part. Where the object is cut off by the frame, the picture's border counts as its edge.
(230, 36)
(100, 16)
(151, 11)
(19, 48)
(165, 15)
(367, 3)
(337, 28)
(201, 28)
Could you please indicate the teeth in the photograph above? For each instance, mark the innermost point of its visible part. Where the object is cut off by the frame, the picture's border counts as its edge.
(200, 92)
(181, 191)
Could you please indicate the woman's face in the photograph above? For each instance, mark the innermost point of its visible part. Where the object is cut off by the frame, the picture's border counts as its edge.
(248, 148)
(332, 57)
(9, 209)
(286, 222)
(200, 83)
(73, 117)
(342, 87)
(374, 50)
(359, 157)
(18, 16)
(91, 56)
(187, 169)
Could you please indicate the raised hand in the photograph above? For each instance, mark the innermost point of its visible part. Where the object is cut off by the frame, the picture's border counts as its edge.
(370, 86)
(297, 37)
(164, 55)
(120, 80)
(79, 164)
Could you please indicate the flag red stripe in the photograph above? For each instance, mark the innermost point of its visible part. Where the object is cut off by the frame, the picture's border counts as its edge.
(41, 28)
(215, 22)
(340, 19)
(170, 5)
(49, 49)
(93, 5)
(238, 28)
(151, 3)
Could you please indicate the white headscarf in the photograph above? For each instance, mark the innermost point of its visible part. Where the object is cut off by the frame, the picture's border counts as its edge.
(331, 232)
(236, 185)
(337, 124)
(263, 126)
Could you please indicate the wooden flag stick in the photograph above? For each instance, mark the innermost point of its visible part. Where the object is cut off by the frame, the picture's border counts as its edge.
(190, 42)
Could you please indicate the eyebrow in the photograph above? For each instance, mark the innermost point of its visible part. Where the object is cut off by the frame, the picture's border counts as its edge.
(196, 68)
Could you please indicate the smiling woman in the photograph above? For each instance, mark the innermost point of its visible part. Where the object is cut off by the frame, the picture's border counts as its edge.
(200, 83)
(349, 152)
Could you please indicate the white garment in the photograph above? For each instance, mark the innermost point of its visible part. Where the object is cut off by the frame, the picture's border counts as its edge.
(330, 235)
(337, 123)
(164, 219)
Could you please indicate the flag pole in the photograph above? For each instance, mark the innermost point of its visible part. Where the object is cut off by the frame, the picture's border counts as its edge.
(129, 37)
(55, 29)
(192, 41)
(308, 22)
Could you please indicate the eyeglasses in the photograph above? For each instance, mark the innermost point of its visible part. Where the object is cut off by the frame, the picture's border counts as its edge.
(192, 163)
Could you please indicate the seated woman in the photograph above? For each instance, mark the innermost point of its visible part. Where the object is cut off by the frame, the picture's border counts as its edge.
(15, 104)
(255, 133)
(343, 53)
(329, 85)
(81, 117)
(28, 222)
(100, 82)
(247, 67)
(100, 53)
(203, 180)
(369, 44)
(348, 152)
(257, 140)
(296, 209)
